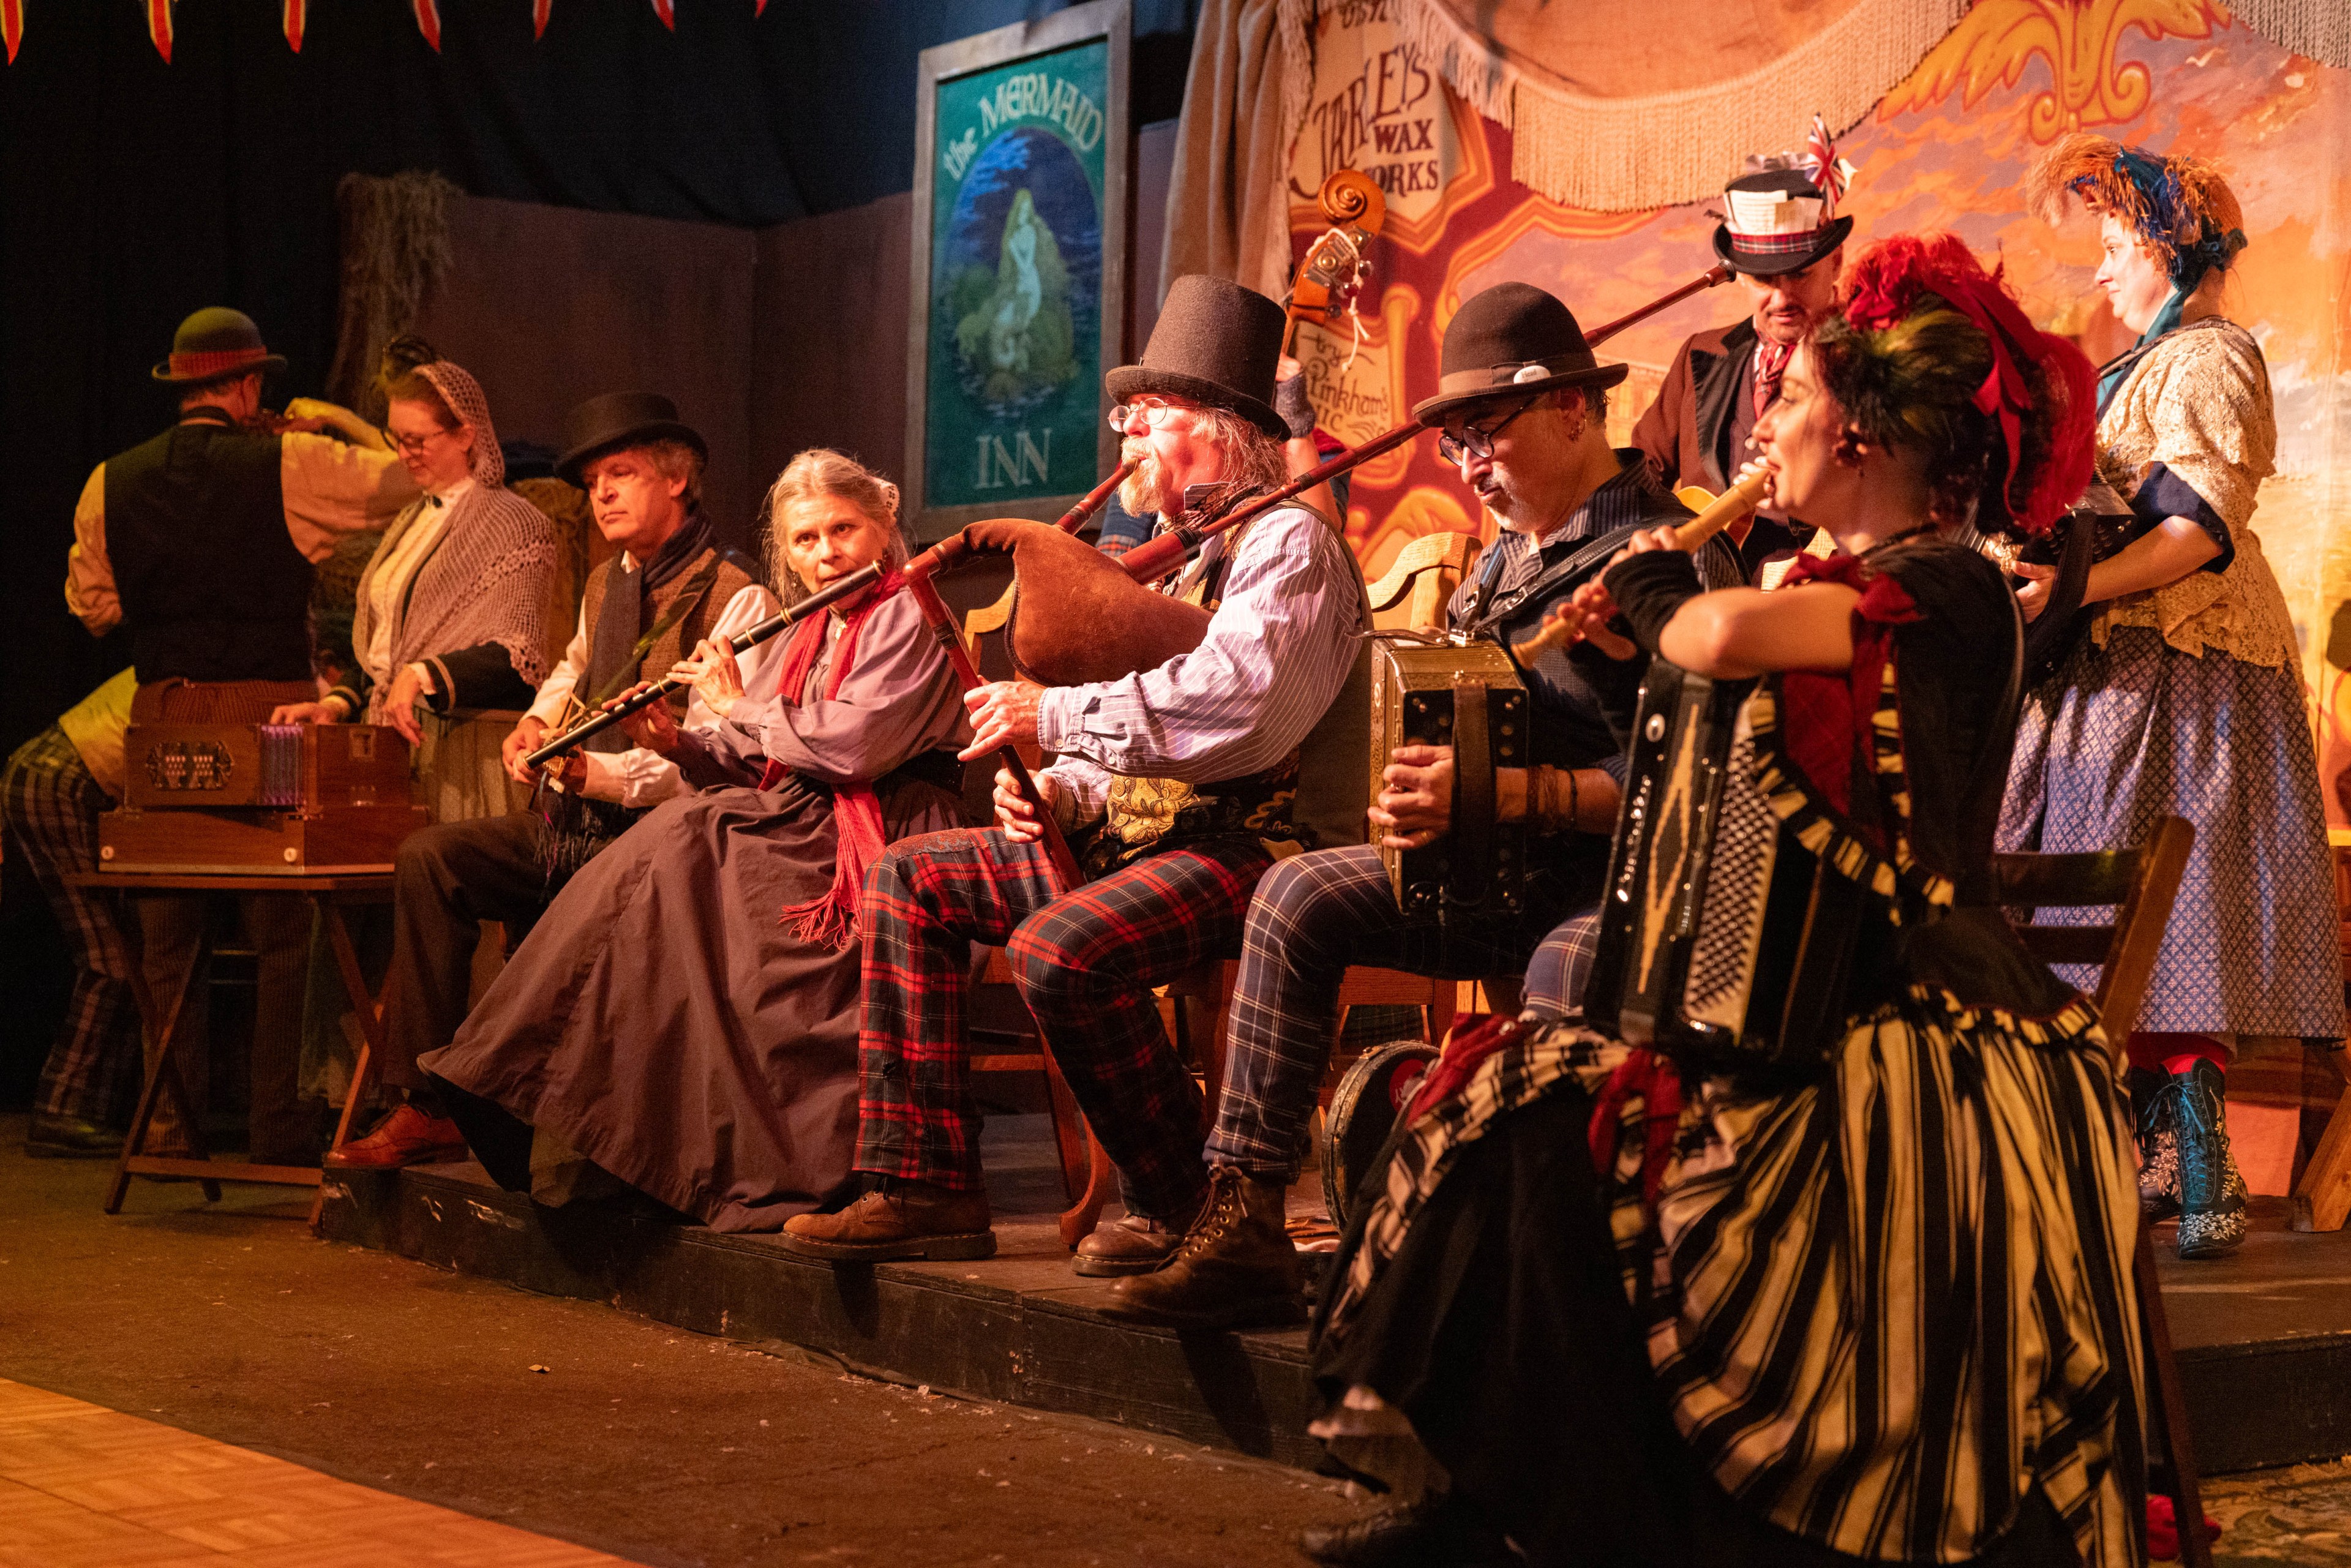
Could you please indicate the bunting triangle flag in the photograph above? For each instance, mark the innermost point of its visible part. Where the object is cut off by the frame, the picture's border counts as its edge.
(297, 17)
(758, 9)
(428, 21)
(12, 26)
(159, 28)
(538, 12)
(667, 11)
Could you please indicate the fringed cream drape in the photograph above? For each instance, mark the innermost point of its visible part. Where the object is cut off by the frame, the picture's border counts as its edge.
(1612, 153)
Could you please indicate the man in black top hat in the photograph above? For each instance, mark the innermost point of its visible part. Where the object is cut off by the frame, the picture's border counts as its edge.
(1781, 235)
(200, 543)
(670, 585)
(1523, 409)
(1187, 772)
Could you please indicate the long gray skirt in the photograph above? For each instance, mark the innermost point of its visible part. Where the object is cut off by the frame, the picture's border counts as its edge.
(663, 1021)
(2138, 730)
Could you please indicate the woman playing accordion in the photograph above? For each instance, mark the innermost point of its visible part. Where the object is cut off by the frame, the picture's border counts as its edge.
(1864, 1296)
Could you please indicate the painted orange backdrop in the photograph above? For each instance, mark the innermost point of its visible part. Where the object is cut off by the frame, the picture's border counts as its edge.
(1948, 148)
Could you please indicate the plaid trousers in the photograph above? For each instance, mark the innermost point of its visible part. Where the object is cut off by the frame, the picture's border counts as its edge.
(50, 804)
(1085, 964)
(1314, 915)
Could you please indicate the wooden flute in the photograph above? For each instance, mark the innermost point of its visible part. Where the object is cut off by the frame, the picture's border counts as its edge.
(1716, 514)
(604, 718)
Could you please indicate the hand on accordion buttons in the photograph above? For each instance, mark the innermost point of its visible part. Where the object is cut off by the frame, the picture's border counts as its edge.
(2033, 597)
(1415, 803)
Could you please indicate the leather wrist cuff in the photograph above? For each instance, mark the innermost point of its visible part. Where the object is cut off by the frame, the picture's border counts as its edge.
(1648, 588)
(1290, 402)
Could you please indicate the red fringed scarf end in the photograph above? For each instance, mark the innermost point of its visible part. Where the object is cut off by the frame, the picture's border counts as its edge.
(1652, 1079)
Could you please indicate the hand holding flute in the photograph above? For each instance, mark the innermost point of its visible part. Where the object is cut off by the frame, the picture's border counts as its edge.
(618, 708)
(1587, 611)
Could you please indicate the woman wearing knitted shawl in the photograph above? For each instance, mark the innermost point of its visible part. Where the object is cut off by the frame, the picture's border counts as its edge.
(2186, 698)
(451, 611)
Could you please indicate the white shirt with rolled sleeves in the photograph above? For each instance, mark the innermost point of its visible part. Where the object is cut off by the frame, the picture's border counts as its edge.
(1278, 649)
(638, 778)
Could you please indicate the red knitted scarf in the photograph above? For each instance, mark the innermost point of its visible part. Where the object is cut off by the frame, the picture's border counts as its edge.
(829, 919)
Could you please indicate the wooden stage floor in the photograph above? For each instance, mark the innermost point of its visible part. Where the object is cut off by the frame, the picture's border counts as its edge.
(84, 1487)
(2264, 1337)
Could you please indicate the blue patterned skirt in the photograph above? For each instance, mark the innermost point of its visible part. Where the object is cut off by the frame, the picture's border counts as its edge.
(2138, 730)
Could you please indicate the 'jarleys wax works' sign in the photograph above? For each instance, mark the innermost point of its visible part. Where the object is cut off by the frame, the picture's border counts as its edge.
(1020, 234)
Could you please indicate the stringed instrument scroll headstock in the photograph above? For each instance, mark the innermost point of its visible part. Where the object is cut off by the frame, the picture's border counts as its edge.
(1335, 267)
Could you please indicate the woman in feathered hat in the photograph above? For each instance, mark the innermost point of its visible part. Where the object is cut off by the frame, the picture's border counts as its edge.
(1865, 1297)
(2186, 699)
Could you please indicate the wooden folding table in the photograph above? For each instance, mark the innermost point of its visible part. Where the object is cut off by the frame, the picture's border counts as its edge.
(329, 892)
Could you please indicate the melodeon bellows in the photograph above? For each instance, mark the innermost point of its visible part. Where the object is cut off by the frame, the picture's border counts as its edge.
(1466, 695)
(1723, 942)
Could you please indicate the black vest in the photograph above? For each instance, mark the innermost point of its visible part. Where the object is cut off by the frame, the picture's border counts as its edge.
(212, 586)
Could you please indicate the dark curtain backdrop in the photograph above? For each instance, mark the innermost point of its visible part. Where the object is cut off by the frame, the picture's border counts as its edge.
(133, 191)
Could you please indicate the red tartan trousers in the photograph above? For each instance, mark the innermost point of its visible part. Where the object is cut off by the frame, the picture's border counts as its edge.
(1085, 964)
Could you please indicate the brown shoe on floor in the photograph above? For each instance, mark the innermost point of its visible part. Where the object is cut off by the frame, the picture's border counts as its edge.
(900, 1219)
(406, 1137)
(1136, 1244)
(1235, 1268)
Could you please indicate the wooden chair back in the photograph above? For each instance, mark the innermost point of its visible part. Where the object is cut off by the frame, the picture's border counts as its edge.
(1428, 569)
(2140, 884)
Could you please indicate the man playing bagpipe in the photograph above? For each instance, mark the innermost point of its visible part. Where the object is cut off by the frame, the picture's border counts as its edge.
(1523, 408)
(1191, 768)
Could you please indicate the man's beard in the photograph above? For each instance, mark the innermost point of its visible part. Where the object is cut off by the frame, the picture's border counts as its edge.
(1142, 493)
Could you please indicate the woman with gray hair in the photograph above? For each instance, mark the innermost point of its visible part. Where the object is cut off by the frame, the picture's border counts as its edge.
(683, 1019)
(452, 610)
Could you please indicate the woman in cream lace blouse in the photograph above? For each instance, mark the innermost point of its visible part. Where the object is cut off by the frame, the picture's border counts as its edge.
(2186, 699)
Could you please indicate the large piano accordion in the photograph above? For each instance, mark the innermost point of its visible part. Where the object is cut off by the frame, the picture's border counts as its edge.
(1468, 696)
(289, 800)
(1723, 942)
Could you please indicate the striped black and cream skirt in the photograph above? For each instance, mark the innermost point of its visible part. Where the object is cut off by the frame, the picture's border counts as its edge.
(1883, 1308)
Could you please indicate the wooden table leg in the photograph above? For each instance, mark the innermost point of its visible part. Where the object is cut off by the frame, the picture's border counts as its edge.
(371, 1016)
(162, 1077)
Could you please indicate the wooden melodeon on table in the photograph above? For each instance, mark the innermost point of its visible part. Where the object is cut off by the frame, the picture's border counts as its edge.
(291, 799)
(1723, 942)
(1466, 695)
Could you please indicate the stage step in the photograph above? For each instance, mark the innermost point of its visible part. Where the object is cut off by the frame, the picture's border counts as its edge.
(1019, 1327)
(2264, 1337)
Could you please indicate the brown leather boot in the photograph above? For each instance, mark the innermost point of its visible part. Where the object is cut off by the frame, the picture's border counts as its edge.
(1136, 1244)
(1236, 1267)
(898, 1219)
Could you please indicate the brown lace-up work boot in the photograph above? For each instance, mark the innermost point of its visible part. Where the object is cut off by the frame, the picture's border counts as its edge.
(1236, 1267)
(897, 1219)
(1136, 1244)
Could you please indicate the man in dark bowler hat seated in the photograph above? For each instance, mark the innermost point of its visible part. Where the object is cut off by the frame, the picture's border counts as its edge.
(1524, 411)
(670, 585)
(1187, 772)
(1781, 236)
(201, 543)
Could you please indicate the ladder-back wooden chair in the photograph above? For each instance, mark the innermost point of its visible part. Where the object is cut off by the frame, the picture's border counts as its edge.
(2140, 884)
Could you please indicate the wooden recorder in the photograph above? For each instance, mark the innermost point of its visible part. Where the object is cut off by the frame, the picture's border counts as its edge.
(255, 799)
